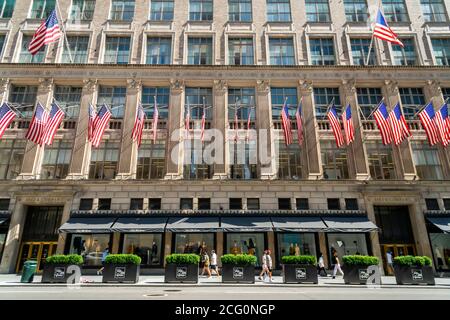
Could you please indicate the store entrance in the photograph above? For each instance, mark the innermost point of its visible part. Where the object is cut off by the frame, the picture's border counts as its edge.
(37, 251)
(396, 250)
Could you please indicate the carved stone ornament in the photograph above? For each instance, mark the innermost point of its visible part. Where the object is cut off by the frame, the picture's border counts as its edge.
(4, 82)
(45, 84)
(391, 86)
(306, 86)
(349, 86)
(220, 86)
(263, 86)
(435, 87)
(90, 85)
(134, 84)
(176, 84)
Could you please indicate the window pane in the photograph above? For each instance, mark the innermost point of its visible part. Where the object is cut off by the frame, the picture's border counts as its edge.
(159, 50)
(90, 247)
(147, 246)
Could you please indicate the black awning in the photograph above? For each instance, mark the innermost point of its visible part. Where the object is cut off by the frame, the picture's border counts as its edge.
(193, 224)
(140, 224)
(88, 225)
(246, 224)
(442, 223)
(349, 224)
(3, 221)
(298, 224)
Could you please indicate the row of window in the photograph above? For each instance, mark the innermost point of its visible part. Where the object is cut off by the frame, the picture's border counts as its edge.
(241, 51)
(238, 10)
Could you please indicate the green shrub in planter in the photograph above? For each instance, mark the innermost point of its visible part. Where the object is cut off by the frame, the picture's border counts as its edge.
(413, 261)
(122, 259)
(180, 258)
(305, 260)
(360, 260)
(65, 259)
(239, 259)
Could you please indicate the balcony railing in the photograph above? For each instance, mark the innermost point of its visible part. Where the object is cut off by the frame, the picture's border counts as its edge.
(148, 124)
(277, 124)
(115, 124)
(241, 124)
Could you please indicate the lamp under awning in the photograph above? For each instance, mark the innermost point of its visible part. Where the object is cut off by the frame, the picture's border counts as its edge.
(88, 225)
(246, 224)
(139, 224)
(349, 224)
(442, 223)
(193, 224)
(298, 224)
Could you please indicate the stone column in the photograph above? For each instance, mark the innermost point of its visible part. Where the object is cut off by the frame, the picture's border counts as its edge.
(115, 242)
(271, 246)
(167, 245)
(176, 131)
(81, 153)
(62, 237)
(4, 88)
(266, 138)
(220, 249)
(374, 238)
(220, 120)
(128, 149)
(34, 153)
(323, 248)
(12, 243)
(356, 150)
(311, 136)
(419, 229)
(402, 153)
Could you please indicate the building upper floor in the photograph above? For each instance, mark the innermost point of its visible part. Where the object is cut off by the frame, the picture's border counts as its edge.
(228, 32)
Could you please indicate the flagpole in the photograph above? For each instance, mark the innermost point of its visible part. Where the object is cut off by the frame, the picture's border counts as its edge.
(373, 37)
(421, 109)
(328, 109)
(63, 29)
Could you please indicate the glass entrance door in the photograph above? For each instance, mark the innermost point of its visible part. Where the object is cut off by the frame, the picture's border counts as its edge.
(396, 250)
(37, 251)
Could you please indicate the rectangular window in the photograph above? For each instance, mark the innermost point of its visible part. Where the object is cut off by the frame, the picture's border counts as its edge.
(136, 204)
(122, 10)
(56, 162)
(322, 51)
(381, 162)
(360, 50)
(427, 161)
(4, 205)
(432, 204)
(200, 51)
(200, 10)
(281, 51)
(23, 98)
(6, 11)
(441, 50)
(69, 98)
(41, 9)
(2, 42)
(446, 204)
(250, 243)
(82, 10)
(161, 10)
(356, 10)
(147, 246)
(115, 98)
(351, 204)
(117, 50)
(433, 10)
(186, 204)
(334, 204)
(302, 203)
(196, 98)
(284, 204)
(193, 242)
(240, 10)
(317, 11)
(151, 162)
(78, 49)
(11, 157)
(413, 99)
(90, 246)
(162, 100)
(289, 161)
(278, 96)
(104, 204)
(204, 203)
(159, 50)
(235, 203)
(86, 204)
(104, 161)
(25, 55)
(244, 100)
(278, 11)
(368, 100)
(295, 244)
(405, 56)
(252, 203)
(323, 98)
(446, 93)
(243, 160)
(154, 204)
(240, 51)
(395, 10)
(334, 161)
(346, 244)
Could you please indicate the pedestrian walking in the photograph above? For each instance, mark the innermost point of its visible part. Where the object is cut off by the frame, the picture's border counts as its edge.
(269, 264)
(321, 266)
(205, 259)
(337, 266)
(389, 262)
(264, 267)
(105, 253)
(214, 267)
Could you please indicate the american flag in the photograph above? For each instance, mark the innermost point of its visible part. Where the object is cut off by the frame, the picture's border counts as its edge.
(400, 129)
(203, 125)
(236, 125)
(155, 121)
(138, 127)
(187, 124)
(335, 126)
(37, 126)
(299, 118)
(6, 117)
(249, 120)
(427, 116)
(100, 123)
(286, 123)
(349, 129)
(54, 121)
(92, 116)
(382, 119)
(47, 32)
(383, 31)
(442, 122)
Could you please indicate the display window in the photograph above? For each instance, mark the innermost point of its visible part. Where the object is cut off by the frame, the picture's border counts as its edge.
(147, 246)
(90, 246)
(194, 242)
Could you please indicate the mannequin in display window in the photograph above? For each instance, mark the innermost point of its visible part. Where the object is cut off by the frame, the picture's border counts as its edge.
(291, 249)
(251, 247)
(235, 248)
(154, 254)
(297, 249)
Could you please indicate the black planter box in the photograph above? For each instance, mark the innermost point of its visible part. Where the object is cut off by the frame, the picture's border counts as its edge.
(55, 273)
(299, 273)
(121, 273)
(238, 274)
(355, 274)
(414, 275)
(181, 273)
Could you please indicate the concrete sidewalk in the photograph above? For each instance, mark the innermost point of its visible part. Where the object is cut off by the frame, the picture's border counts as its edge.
(13, 280)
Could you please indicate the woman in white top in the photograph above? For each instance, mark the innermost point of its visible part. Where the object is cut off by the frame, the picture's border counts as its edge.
(214, 263)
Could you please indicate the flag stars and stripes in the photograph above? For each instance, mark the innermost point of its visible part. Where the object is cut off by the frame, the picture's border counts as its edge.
(335, 126)
(382, 120)
(47, 32)
(7, 115)
(36, 129)
(56, 116)
(286, 124)
(427, 118)
(349, 129)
